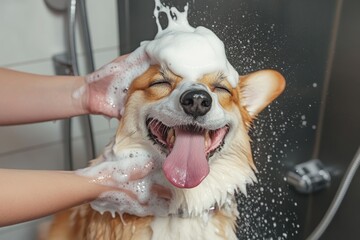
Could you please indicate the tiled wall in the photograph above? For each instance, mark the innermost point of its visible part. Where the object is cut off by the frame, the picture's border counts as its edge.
(30, 34)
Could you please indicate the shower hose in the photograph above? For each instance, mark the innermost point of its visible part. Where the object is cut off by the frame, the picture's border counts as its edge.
(339, 196)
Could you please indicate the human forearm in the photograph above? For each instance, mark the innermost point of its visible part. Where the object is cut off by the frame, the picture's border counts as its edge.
(30, 194)
(26, 98)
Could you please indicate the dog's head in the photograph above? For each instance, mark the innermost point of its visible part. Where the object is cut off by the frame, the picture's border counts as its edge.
(198, 130)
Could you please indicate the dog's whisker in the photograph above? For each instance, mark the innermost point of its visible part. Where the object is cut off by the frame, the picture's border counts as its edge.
(126, 136)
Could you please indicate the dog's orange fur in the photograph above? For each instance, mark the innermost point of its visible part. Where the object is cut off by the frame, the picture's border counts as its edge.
(83, 223)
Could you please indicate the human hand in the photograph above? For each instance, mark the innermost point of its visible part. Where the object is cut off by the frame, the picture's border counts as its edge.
(104, 91)
(135, 185)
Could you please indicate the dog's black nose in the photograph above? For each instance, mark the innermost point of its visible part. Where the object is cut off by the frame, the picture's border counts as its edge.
(196, 102)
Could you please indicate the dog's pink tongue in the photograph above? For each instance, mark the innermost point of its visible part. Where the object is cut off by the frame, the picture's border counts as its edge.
(186, 166)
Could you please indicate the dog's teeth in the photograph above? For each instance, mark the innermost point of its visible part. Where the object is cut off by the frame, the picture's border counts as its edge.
(207, 143)
(207, 135)
(172, 140)
(171, 132)
(207, 140)
(170, 136)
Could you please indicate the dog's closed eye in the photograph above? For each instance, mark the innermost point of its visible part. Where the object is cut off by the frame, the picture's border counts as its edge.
(222, 89)
(160, 83)
(159, 88)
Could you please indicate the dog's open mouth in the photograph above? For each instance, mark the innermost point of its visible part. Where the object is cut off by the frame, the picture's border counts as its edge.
(189, 147)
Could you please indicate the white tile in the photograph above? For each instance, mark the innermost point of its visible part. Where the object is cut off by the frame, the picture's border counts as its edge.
(45, 67)
(103, 22)
(47, 157)
(51, 155)
(101, 123)
(103, 57)
(27, 136)
(29, 31)
(103, 28)
(81, 157)
(14, 138)
(28, 230)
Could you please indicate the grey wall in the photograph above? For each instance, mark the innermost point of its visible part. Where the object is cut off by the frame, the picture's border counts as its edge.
(341, 131)
(294, 38)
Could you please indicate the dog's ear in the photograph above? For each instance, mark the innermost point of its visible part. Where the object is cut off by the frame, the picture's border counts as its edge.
(259, 89)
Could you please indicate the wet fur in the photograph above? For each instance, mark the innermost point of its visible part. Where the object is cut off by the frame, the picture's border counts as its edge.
(230, 169)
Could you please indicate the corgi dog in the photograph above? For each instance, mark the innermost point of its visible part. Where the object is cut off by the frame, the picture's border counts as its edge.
(199, 131)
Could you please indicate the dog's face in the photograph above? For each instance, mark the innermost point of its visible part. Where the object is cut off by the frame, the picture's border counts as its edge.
(198, 129)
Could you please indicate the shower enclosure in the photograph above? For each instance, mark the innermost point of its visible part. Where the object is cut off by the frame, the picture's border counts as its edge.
(316, 46)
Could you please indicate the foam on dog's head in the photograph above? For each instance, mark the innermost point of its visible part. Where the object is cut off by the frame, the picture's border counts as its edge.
(186, 51)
